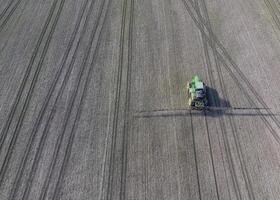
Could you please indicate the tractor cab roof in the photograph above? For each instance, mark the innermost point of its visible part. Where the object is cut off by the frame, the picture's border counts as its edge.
(199, 85)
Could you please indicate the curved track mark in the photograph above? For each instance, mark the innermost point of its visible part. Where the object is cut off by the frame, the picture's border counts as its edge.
(216, 103)
(201, 22)
(273, 10)
(4, 131)
(70, 106)
(77, 117)
(45, 104)
(50, 117)
(2, 25)
(6, 9)
(29, 95)
(232, 122)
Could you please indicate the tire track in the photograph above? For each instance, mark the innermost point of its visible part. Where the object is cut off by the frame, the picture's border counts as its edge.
(221, 122)
(4, 44)
(205, 116)
(233, 125)
(50, 117)
(117, 103)
(274, 11)
(77, 118)
(260, 114)
(29, 95)
(235, 135)
(212, 159)
(251, 101)
(47, 99)
(237, 142)
(231, 120)
(6, 9)
(195, 157)
(71, 104)
(2, 25)
(240, 73)
(201, 24)
(26, 76)
(127, 112)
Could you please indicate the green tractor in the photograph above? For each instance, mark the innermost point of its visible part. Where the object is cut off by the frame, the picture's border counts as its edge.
(197, 94)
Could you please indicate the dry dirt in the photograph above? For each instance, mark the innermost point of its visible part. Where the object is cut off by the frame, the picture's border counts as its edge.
(93, 99)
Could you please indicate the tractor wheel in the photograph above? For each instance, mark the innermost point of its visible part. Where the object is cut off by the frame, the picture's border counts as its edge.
(205, 103)
(188, 94)
(190, 102)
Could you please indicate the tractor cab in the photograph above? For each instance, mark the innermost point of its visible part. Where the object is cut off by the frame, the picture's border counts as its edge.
(197, 97)
(200, 90)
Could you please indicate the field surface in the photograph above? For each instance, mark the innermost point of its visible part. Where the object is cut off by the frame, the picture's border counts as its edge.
(93, 101)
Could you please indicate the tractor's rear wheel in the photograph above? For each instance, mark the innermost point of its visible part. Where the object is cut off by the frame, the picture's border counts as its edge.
(188, 94)
(190, 101)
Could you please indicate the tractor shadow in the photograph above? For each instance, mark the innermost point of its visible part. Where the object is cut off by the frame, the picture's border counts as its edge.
(214, 99)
